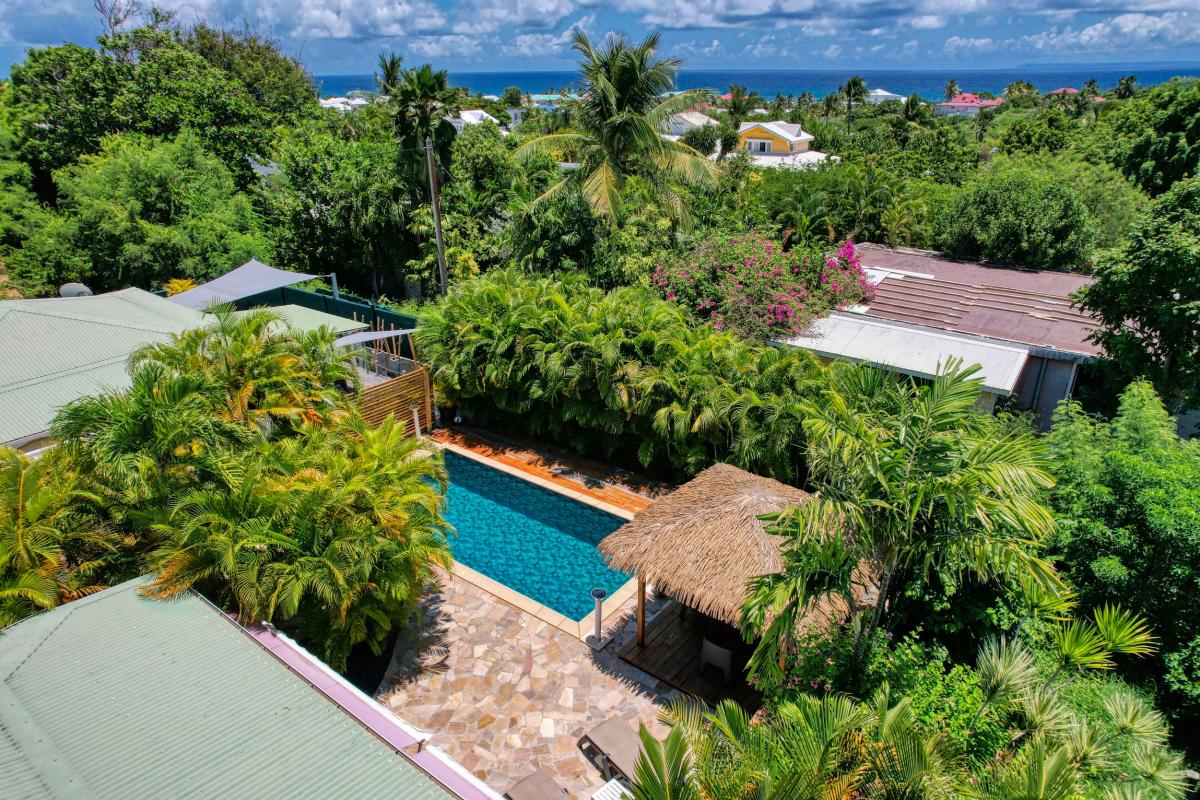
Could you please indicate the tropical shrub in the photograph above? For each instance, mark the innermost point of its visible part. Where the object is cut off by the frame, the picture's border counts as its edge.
(141, 212)
(51, 552)
(1023, 218)
(703, 139)
(623, 375)
(1128, 508)
(333, 534)
(750, 285)
(1153, 281)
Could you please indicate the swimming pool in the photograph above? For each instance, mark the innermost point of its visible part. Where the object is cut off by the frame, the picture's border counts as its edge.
(535, 541)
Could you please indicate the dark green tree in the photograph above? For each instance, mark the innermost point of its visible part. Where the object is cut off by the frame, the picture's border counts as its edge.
(1021, 218)
(1147, 297)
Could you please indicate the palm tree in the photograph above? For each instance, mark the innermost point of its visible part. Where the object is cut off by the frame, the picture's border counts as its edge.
(739, 105)
(915, 109)
(951, 90)
(1020, 88)
(819, 748)
(855, 92)
(424, 103)
(145, 442)
(266, 373)
(830, 104)
(334, 534)
(391, 73)
(919, 479)
(616, 124)
(50, 553)
(1126, 87)
(1090, 89)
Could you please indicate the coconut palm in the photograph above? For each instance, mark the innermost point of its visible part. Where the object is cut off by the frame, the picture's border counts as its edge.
(615, 128)
(952, 90)
(921, 479)
(915, 109)
(854, 90)
(830, 104)
(739, 104)
(334, 534)
(1126, 87)
(390, 75)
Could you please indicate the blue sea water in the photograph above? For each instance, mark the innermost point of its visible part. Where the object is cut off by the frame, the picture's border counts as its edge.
(926, 83)
(535, 541)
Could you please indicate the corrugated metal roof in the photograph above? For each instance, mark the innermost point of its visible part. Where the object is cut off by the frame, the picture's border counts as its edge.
(309, 319)
(116, 696)
(911, 349)
(55, 350)
(1025, 306)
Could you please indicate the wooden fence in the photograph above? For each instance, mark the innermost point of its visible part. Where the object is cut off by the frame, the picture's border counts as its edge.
(398, 396)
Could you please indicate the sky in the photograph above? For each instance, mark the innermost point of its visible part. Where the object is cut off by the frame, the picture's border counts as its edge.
(346, 36)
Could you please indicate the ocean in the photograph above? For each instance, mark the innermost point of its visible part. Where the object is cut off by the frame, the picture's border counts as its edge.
(926, 83)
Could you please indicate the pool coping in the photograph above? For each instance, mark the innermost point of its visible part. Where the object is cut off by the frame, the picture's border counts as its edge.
(581, 629)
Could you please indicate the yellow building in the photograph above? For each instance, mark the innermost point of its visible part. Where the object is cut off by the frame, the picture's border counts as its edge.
(774, 138)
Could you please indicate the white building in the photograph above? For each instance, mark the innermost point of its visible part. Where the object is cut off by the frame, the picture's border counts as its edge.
(343, 104)
(472, 116)
(679, 124)
(877, 96)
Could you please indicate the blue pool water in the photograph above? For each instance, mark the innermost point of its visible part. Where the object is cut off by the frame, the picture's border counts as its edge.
(535, 541)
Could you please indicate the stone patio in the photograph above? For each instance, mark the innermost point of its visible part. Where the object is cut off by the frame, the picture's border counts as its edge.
(506, 694)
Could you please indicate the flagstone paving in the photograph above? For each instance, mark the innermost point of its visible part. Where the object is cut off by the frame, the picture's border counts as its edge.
(506, 694)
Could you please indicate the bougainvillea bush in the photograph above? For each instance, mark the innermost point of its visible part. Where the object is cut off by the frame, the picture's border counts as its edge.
(747, 283)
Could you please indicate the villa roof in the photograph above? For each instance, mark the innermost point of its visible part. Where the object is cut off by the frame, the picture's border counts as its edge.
(55, 350)
(1026, 306)
(694, 118)
(785, 130)
(971, 100)
(116, 696)
(703, 542)
(881, 93)
(1064, 90)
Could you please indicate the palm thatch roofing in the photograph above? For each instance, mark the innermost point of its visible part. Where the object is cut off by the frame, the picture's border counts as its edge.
(702, 543)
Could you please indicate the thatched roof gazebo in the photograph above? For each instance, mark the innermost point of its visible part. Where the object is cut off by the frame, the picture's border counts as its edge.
(702, 543)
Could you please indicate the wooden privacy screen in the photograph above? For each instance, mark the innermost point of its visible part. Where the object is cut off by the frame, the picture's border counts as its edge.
(398, 396)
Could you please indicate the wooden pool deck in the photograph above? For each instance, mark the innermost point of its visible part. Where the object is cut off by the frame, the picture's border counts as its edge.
(610, 486)
(672, 654)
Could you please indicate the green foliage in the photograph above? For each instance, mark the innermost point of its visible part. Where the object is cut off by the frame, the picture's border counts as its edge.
(1048, 131)
(511, 97)
(704, 139)
(1159, 135)
(1112, 203)
(277, 83)
(1023, 218)
(621, 375)
(614, 128)
(233, 466)
(1128, 504)
(919, 480)
(140, 212)
(50, 553)
(1153, 280)
(340, 204)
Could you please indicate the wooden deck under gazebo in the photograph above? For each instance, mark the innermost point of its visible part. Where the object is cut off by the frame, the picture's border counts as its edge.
(701, 545)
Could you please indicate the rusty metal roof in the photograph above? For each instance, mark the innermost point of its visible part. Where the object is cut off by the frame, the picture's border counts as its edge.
(1031, 307)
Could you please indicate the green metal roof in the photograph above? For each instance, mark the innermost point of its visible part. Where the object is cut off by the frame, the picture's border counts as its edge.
(309, 319)
(117, 696)
(59, 349)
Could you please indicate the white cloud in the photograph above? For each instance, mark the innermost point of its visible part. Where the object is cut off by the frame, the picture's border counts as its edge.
(1123, 32)
(457, 45)
(693, 48)
(544, 44)
(832, 52)
(927, 22)
(957, 45)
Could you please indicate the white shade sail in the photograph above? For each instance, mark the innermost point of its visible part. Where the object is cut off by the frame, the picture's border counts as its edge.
(249, 279)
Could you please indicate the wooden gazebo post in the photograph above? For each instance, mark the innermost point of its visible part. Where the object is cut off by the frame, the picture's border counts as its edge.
(641, 609)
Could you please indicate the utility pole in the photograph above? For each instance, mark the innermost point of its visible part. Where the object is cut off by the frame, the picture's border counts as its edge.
(436, 201)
